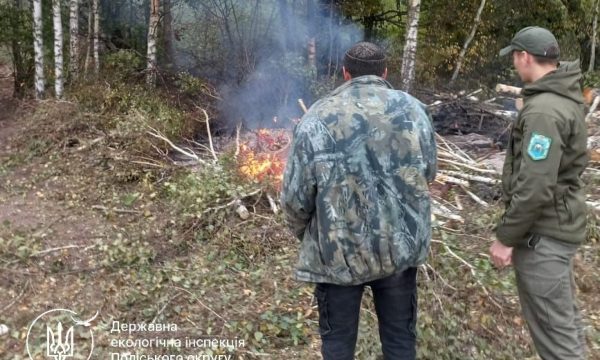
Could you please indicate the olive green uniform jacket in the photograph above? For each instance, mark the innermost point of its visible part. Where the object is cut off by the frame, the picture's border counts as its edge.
(542, 187)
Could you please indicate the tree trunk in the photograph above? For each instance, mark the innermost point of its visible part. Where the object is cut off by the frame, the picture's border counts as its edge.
(594, 35)
(96, 12)
(74, 39)
(59, 80)
(463, 52)
(38, 44)
(19, 66)
(90, 40)
(409, 56)
(152, 32)
(284, 18)
(169, 37)
(312, 37)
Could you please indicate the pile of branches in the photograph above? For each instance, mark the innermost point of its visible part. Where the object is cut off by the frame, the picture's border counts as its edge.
(460, 115)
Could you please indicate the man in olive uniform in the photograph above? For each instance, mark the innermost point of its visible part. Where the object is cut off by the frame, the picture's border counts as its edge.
(355, 193)
(545, 218)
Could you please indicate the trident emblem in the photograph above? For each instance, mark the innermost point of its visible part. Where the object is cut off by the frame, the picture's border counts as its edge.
(57, 347)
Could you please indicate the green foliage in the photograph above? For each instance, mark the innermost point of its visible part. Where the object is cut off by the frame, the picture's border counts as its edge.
(124, 252)
(196, 192)
(20, 246)
(593, 227)
(447, 27)
(16, 34)
(124, 63)
(591, 79)
(130, 108)
(189, 84)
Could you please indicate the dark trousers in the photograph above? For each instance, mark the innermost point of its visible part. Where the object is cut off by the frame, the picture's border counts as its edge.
(396, 306)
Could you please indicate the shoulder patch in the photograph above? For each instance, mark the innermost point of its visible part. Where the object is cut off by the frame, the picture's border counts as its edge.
(539, 147)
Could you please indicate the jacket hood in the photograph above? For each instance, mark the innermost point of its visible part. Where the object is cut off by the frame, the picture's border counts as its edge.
(564, 81)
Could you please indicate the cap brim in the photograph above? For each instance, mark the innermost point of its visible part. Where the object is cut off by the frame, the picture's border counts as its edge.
(507, 50)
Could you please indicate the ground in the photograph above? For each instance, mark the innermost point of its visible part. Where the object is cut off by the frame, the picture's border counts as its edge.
(82, 228)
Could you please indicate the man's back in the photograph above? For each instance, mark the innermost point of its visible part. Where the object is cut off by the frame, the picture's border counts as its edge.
(373, 154)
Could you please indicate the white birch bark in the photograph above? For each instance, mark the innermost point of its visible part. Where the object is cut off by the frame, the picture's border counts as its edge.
(58, 49)
(38, 44)
(74, 39)
(594, 35)
(96, 11)
(463, 52)
(152, 34)
(409, 56)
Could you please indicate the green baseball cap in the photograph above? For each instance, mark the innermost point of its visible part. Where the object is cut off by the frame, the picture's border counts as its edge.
(536, 41)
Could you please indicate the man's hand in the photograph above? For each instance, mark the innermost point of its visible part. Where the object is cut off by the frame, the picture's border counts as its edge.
(501, 254)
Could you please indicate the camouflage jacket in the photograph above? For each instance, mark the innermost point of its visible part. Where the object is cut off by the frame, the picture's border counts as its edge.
(355, 186)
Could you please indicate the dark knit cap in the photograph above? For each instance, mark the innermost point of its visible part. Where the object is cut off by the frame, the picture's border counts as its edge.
(365, 58)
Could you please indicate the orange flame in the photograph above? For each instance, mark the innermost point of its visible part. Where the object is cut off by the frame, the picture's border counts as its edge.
(264, 160)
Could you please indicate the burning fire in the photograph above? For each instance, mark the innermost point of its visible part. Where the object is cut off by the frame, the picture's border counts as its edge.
(263, 158)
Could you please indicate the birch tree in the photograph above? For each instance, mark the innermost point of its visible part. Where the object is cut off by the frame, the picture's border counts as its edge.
(38, 45)
(463, 52)
(152, 35)
(594, 35)
(74, 39)
(58, 49)
(96, 15)
(410, 47)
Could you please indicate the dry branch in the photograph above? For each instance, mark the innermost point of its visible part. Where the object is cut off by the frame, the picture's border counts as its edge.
(155, 133)
(123, 211)
(593, 108)
(442, 211)
(442, 178)
(475, 178)
(210, 142)
(302, 106)
(471, 269)
(466, 166)
(273, 204)
(233, 202)
(237, 140)
(507, 89)
(475, 198)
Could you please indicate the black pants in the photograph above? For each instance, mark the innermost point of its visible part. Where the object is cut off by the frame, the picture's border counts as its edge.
(396, 306)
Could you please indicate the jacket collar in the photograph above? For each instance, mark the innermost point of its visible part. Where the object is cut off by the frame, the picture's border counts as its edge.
(367, 80)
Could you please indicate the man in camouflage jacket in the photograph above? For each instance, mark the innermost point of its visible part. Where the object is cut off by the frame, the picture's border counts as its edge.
(355, 192)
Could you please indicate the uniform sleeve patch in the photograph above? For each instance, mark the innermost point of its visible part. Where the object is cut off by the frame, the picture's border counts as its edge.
(539, 147)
